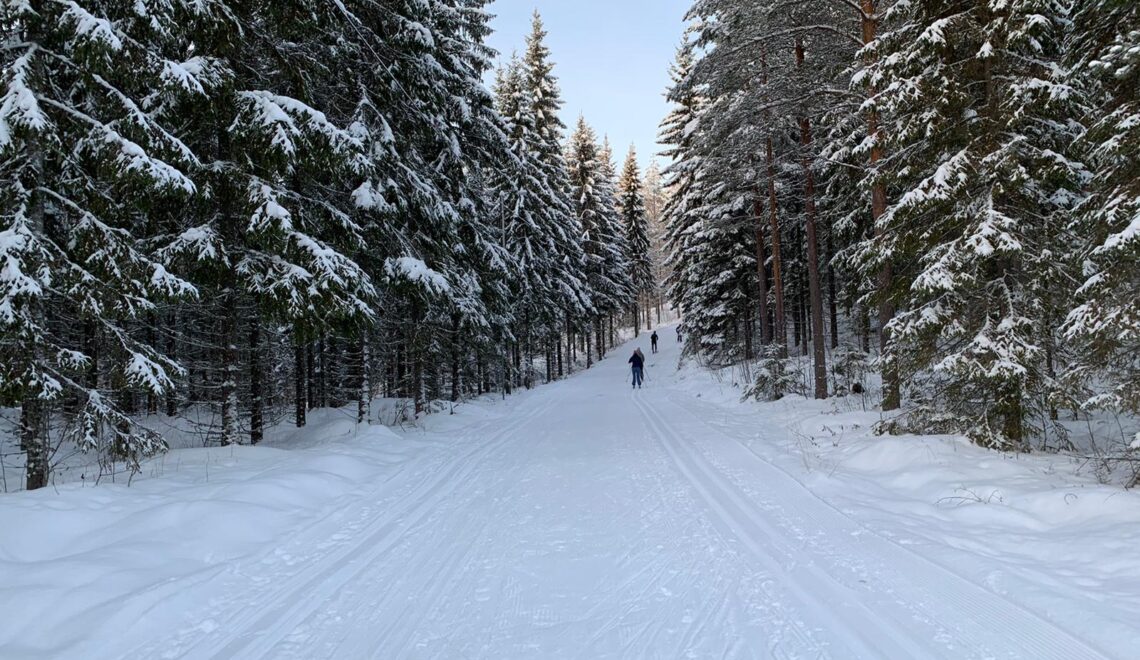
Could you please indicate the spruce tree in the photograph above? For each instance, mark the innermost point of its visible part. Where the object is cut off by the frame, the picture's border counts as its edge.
(976, 122)
(270, 233)
(1105, 57)
(638, 254)
(575, 301)
(677, 133)
(83, 159)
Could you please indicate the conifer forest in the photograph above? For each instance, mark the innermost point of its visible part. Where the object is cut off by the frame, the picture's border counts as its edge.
(238, 212)
(559, 329)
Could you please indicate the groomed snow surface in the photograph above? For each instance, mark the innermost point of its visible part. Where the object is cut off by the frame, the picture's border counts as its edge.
(581, 520)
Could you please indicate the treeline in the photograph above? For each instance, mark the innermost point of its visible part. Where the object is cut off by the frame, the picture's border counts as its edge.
(238, 211)
(956, 181)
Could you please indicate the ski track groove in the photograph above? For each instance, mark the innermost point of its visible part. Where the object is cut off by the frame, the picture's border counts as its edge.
(425, 594)
(1037, 637)
(706, 484)
(252, 633)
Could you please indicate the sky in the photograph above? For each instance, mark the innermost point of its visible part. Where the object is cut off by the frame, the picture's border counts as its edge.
(611, 58)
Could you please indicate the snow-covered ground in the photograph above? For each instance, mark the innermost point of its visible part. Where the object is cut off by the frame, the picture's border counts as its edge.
(581, 520)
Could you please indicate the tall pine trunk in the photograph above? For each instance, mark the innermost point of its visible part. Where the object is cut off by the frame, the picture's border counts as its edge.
(781, 329)
(761, 273)
(819, 356)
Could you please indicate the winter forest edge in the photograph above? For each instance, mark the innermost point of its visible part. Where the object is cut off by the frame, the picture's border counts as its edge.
(222, 216)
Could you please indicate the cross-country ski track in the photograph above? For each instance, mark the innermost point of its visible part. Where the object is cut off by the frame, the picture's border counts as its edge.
(595, 522)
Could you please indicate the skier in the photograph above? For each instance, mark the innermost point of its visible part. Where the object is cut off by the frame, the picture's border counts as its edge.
(638, 362)
(678, 335)
(653, 340)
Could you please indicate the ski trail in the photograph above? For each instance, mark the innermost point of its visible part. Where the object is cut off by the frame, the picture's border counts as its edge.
(252, 631)
(592, 522)
(879, 597)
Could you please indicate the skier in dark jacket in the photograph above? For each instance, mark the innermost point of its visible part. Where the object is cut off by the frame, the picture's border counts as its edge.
(638, 362)
(653, 341)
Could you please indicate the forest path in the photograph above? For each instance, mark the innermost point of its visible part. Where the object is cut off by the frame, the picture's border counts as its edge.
(599, 522)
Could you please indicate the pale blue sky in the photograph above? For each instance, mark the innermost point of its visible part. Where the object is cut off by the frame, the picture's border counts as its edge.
(611, 57)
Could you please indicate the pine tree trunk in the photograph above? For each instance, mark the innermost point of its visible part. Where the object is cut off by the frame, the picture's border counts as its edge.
(781, 325)
(761, 273)
(819, 356)
(256, 393)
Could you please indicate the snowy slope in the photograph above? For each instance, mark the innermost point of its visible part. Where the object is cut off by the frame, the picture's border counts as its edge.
(580, 520)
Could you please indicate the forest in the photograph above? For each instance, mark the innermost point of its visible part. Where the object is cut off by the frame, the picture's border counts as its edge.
(943, 192)
(234, 213)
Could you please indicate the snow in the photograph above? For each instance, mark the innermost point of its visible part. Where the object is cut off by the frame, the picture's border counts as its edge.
(92, 27)
(415, 270)
(581, 520)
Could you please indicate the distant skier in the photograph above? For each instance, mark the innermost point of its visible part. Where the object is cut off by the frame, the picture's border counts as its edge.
(678, 335)
(653, 340)
(638, 362)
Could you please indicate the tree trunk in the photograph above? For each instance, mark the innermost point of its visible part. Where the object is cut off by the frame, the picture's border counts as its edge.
(229, 371)
(34, 437)
(363, 385)
(781, 334)
(256, 393)
(819, 356)
(418, 385)
(833, 305)
(569, 346)
(781, 326)
(300, 401)
(747, 334)
(454, 359)
(761, 273)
